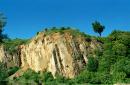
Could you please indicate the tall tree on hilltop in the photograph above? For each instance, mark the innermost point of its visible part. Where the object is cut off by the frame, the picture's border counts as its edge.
(97, 27)
(2, 24)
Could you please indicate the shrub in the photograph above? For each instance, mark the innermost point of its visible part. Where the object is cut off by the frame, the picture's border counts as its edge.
(12, 70)
(62, 30)
(84, 77)
(92, 64)
(12, 45)
(119, 77)
(3, 74)
(46, 77)
(29, 76)
(61, 79)
(123, 65)
(119, 49)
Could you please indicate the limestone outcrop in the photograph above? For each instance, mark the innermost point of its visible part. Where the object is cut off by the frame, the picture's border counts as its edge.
(64, 54)
(58, 53)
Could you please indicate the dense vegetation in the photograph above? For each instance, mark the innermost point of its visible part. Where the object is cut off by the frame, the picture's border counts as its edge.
(112, 65)
(6, 72)
(11, 45)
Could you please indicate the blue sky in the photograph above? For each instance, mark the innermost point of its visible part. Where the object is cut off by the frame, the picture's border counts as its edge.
(26, 17)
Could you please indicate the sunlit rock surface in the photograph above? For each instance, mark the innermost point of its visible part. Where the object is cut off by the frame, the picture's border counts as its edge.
(58, 53)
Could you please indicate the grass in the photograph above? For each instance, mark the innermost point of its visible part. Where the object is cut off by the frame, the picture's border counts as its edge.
(11, 45)
(62, 30)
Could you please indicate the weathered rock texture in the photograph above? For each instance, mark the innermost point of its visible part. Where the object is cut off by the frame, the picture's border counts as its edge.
(8, 59)
(58, 53)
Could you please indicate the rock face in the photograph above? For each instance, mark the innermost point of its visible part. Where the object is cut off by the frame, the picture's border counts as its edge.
(2, 53)
(8, 59)
(58, 53)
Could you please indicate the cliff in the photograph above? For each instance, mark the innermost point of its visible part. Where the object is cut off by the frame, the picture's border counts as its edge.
(8, 59)
(61, 53)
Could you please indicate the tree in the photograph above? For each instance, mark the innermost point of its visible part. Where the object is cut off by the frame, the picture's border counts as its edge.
(2, 24)
(97, 27)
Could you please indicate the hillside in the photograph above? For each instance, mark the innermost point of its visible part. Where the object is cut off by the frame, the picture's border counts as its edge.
(67, 56)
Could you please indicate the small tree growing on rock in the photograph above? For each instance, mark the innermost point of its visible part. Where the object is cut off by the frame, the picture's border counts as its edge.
(97, 27)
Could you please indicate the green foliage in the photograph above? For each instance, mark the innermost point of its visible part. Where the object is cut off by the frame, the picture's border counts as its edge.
(6, 72)
(3, 74)
(62, 30)
(97, 27)
(29, 76)
(12, 70)
(47, 77)
(12, 45)
(120, 36)
(35, 78)
(92, 64)
(121, 42)
(3, 71)
(119, 77)
(123, 65)
(85, 77)
(119, 49)
(115, 59)
(93, 77)
(61, 79)
(104, 65)
(110, 65)
(2, 24)
(104, 77)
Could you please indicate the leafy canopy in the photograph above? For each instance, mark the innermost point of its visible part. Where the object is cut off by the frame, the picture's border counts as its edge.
(2, 24)
(97, 27)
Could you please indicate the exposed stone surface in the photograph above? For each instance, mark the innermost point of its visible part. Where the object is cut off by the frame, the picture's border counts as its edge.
(8, 59)
(57, 53)
(2, 53)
